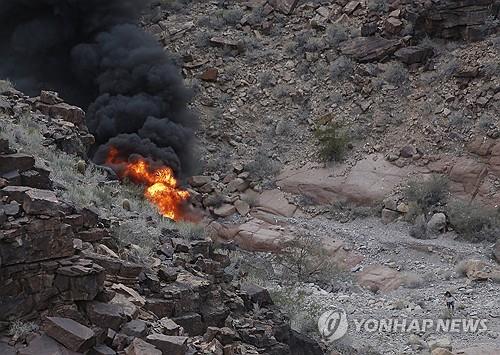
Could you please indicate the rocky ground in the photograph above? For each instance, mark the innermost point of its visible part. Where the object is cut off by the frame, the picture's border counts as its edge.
(105, 273)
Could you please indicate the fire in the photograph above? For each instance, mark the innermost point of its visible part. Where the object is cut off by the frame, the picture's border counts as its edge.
(161, 187)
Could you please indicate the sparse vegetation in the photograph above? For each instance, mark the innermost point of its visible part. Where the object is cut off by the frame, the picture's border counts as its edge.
(473, 222)
(265, 79)
(378, 6)
(232, 16)
(314, 44)
(425, 195)
(396, 74)
(332, 141)
(303, 313)
(413, 280)
(336, 34)
(19, 330)
(341, 68)
(305, 259)
(344, 211)
(5, 85)
(263, 166)
(419, 228)
(202, 38)
(190, 230)
(283, 127)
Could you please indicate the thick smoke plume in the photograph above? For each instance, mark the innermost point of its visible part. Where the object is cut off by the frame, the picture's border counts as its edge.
(95, 54)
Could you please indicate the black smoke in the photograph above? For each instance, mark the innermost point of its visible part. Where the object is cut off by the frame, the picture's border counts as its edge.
(96, 55)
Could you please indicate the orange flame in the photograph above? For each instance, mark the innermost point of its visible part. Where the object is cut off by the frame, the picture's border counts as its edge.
(161, 189)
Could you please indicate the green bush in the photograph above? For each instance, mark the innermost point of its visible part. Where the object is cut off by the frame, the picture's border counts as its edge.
(425, 195)
(332, 142)
(305, 259)
(473, 222)
(263, 166)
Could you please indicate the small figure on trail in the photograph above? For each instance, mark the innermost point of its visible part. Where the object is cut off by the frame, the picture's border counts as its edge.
(450, 301)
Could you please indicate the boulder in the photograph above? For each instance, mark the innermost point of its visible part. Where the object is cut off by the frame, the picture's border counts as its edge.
(379, 278)
(168, 273)
(210, 75)
(389, 216)
(483, 349)
(437, 223)
(140, 347)
(79, 282)
(242, 207)
(169, 345)
(135, 328)
(275, 202)
(284, 6)
(496, 250)
(169, 327)
(369, 49)
(50, 97)
(257, 235)
(198, 180)
(225, 210)
(63, 111)
(47, 239)
(37, 178)
(71, 334)
(191, 322)
(16, 161)
(224, 42)
(257, 294)
(106, 315)
(393, 25)
(444, 343)
(479, 270)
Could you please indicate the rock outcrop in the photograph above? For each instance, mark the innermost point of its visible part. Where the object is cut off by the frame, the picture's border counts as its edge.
(459, 19)
(60, 267)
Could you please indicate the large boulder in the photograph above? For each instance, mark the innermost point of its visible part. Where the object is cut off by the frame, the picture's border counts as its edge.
(35, 241)
(275, 202)
(73, 335)
(140, 347)
(63, 111)
(370, 180)
(479, 270)
(380, 278)
(16, 161)
(483, 349)
(106, 315)
(171, 345)
(369, 49)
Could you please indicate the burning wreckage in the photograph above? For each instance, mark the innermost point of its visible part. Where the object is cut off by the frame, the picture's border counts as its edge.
(136, 99)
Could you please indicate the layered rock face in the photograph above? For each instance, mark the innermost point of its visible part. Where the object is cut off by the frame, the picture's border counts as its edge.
(460, 19)
(59, 266)
(37, 254)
